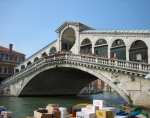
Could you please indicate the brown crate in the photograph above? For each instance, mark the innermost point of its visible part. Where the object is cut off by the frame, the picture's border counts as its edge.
(56, 114)
(47, 116)
(104, 114)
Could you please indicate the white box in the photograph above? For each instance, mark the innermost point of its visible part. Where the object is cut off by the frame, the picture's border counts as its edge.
(121, 117)
(98, 103)
(63, 112)
(79, 114)
(37, 114)
(89, 115)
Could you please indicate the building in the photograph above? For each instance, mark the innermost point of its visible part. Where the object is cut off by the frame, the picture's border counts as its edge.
(8, 60)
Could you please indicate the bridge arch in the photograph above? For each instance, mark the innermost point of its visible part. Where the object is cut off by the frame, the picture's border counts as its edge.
(101, 48)
(138, 51)
(92, 72)
(118, 49)
(68, 39)
(86, 46)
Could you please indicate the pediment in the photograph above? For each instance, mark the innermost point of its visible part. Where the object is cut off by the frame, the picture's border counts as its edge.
(77, 24)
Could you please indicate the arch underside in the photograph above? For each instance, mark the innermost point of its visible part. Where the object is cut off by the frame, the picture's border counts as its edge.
(58, 81)
(65, 80)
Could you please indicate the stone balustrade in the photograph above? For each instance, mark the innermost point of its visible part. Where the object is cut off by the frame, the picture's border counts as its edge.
(134, 67)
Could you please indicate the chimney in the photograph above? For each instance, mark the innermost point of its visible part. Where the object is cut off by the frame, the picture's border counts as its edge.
(10, 47)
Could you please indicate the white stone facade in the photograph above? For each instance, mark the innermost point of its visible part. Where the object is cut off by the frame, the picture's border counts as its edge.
(82, 32)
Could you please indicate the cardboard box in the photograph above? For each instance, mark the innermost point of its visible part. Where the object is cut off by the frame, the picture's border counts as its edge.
(104, 114)
(89, 115)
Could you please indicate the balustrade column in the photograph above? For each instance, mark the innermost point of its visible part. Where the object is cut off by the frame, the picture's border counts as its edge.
(116, 63)
(96, 60)
(140, 66)
(66, 56)
(54, 57)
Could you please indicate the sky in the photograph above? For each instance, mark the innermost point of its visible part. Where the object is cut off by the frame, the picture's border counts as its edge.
(30, 24)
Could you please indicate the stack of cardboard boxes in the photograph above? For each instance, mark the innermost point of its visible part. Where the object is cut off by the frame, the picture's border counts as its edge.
(5, 114)
(95, 110)
(51, 111)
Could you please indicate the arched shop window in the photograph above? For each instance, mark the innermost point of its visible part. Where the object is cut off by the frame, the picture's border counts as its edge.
(22, 67)
(36, 59)
(29, 63)
(101, 48)
(138, 51)
(118, 49)
(86, 46)
(44, 55)
(67, 39)
(52, 50)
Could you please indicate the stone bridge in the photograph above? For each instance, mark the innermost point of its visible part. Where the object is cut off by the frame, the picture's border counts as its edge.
(121, 60)
(66, 73)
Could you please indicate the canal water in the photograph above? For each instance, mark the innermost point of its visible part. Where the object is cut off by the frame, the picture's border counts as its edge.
(24, 106)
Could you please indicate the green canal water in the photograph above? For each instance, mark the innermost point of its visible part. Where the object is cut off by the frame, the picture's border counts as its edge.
(24, 106)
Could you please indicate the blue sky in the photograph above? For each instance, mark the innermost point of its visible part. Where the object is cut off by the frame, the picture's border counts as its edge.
(31, 24)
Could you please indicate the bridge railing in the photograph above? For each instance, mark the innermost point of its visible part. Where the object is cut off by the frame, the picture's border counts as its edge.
(110, 62)
(23, 71)
(98, 61)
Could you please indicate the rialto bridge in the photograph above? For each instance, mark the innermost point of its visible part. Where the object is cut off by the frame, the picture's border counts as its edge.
(82, 54)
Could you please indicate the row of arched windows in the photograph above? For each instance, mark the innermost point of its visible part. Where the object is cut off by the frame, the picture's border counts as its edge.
(137, 52)
(52, 50)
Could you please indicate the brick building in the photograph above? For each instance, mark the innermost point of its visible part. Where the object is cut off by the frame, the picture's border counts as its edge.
(8, 60)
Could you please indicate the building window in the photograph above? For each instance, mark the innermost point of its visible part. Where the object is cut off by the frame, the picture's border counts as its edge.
(68, 39)
(36, 59)
(5, 70)
(6, 57)
(86, 47)
(118, 50)
(10, 70)
(138, 51)
(44, 55)
(0, 70)
(101, 48)
(52, 50)
(1, 56)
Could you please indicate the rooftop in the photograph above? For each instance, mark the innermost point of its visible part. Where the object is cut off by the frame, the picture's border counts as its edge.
(117, 31)
(7, 50)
